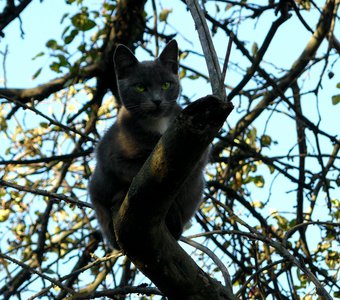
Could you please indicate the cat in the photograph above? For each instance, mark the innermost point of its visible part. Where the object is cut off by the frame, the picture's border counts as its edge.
(148, 93)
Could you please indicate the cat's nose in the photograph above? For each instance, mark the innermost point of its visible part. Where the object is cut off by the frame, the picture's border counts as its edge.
(157, 102)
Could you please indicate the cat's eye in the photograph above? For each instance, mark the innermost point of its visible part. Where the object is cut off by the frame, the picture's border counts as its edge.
(166, 85)
(140, 88)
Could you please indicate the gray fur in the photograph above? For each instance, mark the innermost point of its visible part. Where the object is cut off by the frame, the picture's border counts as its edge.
(142, 119)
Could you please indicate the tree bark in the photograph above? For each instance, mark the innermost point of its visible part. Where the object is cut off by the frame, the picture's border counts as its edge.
(140, 228)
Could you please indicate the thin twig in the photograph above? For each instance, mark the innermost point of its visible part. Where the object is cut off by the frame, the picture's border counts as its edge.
(259, 271)
(53, 196)
(280, 249)
(64, 157)
(226, 60)
(66, 128)
(208, 50)
(212, 255)
(33, 271)
(99, 260)
(291, 231)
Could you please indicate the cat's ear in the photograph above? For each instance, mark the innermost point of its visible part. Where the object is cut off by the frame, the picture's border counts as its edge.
(169, 56)
(123, 59)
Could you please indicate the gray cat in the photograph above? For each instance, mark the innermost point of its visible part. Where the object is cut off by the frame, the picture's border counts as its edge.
(148, 93)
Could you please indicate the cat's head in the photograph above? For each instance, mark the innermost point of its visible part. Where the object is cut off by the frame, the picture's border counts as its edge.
(148, 88)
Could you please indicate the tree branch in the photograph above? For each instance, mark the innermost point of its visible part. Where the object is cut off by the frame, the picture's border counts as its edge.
(45, 90)
(53, 196)
(151, 194)
(11, 12)
(34, 271)
(210, 55)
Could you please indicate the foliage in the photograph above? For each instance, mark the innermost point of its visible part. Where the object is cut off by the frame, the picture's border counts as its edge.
(274, 165)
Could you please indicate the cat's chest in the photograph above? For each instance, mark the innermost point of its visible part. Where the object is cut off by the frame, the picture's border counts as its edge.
(157, 125)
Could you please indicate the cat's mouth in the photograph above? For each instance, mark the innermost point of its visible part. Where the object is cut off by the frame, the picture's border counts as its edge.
(156, 112)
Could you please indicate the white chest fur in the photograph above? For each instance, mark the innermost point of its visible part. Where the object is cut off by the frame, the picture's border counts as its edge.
(157, 124)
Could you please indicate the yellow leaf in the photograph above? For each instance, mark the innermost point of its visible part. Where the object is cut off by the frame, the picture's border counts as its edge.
(4, 214)
(163, 15)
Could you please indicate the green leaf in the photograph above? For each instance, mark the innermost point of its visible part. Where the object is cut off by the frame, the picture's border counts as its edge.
(109, 7)
(82, 22)
(65, 31)
(336, 99)
(3, 124)
(265, 140)
(52, 44)
(64, 17)
(36, 74)
(271, 169)
(258, 181)
(82, 47)
(193, 77)
(38, 55)
(55, 67)
(63, 62)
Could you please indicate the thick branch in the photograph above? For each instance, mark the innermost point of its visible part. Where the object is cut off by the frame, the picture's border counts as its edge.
(151, 194)
(44, 90)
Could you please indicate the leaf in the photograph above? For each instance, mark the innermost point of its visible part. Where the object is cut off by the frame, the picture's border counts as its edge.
(259, 181)
(43, 124)
(254, 48)
(52, 44)
(182, 73)
(4, 214)
(163, 15)
(265, 140)
(65, 31)
(183, 55)
(38, 55)
(82, 22)
(63, 62)
(64, 17)
(109, 7)
(193, 77)
(258, 204)
(335, 99)
(55, 67)
(251, 136)
(37, 73)
(3, 124)
(68, 39)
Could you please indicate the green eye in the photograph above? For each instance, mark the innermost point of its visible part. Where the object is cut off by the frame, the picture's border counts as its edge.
(166, 85)
(140, 88)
